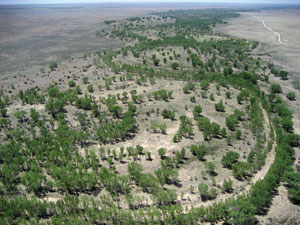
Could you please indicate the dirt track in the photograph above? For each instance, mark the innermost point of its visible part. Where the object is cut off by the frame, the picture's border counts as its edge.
(276, 33)
(270, 157)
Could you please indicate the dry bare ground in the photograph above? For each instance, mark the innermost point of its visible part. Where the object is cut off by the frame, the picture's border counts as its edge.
(244, 189)
(276, 33)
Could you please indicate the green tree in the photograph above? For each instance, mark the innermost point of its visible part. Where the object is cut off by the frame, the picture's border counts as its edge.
(197, 111)
(276, 89)
(53, 65)
(203, 191)
(231, 122)
(227, 186)
(90, 88)
(162, 152)
(291, 96)
(241, 170)
(85, 80)
(72, 83)
(175, 66)
(230, 159)
(220, 106)
(210, 167)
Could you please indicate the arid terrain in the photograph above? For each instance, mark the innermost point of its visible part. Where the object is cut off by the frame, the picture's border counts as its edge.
(126, 113)
(285, 22)
(284, 53)
(31, 36)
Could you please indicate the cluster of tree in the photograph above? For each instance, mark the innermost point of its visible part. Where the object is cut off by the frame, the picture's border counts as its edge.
(190, 86)
(292, 179)
(206, 193)
(31, 96)
(230, 159)
(168, 114)
(185, 129)
(220, 106)
(199, 151)
(162, 95)
(54, 153)
(113, 131)
(282, 74)
(210, 129)
(233, 120)
(158, 128)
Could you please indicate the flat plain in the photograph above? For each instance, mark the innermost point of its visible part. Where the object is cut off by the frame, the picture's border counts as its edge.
(135, 112)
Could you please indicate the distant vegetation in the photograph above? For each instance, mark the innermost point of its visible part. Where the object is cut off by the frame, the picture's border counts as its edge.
(146, 126)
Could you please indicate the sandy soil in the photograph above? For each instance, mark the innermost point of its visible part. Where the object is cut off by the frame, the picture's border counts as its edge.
(276, 31)
(282, 22)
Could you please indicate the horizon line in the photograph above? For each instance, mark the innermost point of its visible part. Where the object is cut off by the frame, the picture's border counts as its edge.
(157, 2)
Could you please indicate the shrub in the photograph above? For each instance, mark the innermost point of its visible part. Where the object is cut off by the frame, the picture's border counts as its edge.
(291, 96)
(276, 89)
(53, 65)
(229, 159)
(72, 83)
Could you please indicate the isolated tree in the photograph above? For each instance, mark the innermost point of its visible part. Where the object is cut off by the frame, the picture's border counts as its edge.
(203, 191)
(72, 83)
(162, 152)
(156, 62)
(283, 75)
(90, 88)
(220, 106)
(197, 111)
(227, 186)
(291, 96)
(175, 66)
(276, 89)
(53, 65)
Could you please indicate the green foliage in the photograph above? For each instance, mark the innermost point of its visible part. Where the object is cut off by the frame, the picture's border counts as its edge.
(84, 102)
(227, 186)
(197, 111)
(199, 151)
(162, 95)
(241, 170)
(72, 83)
(210, 167)
(209, 129)
(276, 89)
(85, 80)
(293, 183)
(230, 159)
(283, 75)
(291, 96)
(231, 122)
(158, 128)
(185, 129)
(190, 86)
(205, 193)
(162, 152)
(220, 106)
(196, 61)
(174, 66)
(241, 211)
(168, 114)
(20, 115)
(90, 88)
(53, 65)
